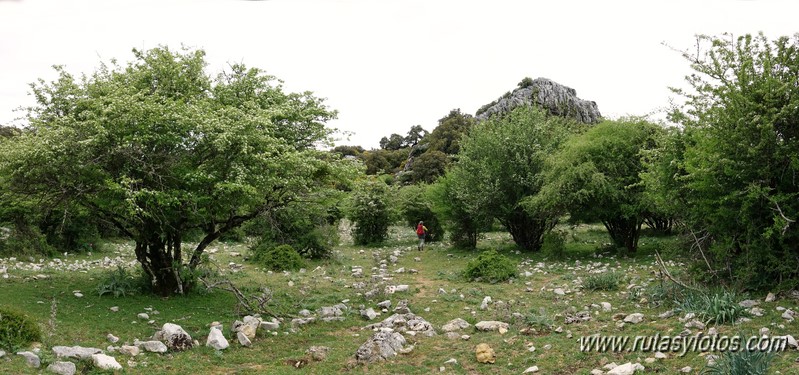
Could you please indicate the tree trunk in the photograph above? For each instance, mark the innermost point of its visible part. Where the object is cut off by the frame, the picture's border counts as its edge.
(527, 231)
(162, 262)
(624, 232)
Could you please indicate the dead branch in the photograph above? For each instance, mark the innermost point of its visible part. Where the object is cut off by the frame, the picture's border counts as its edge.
(666, 272)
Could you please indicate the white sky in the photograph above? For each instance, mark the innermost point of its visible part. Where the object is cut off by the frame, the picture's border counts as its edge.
(387, 65)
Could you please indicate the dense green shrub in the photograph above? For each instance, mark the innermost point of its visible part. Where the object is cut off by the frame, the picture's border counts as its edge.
(741, 363)
(372, 211)
(277, 258)
(17, 330)
(607, 281)
(490, 267)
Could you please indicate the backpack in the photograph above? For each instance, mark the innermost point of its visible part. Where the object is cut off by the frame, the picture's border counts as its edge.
(419, 230)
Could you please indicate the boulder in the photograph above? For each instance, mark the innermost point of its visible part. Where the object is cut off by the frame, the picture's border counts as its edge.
(243, 339)
(369, 314)
(176, 338)
(634, 318)
(492, 325)
(152, 346)
(129, 350)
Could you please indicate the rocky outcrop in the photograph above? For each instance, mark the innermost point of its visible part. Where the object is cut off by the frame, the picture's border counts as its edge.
(557, 99)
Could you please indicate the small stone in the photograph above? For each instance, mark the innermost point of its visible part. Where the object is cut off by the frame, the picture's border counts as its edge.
(792, 342)
(634, 318)
(62, 368)
(559, 292)
(650, 360)
(105, 362)
(788, 315)
(114, 308)
(270, 326)
(660, 355)
(530, 370)
(318, 353)
(129, 350)
(712, 331)
(666, 315)
(491, 325)
(748, 303)
(756, 311)
(686, 369)
(771, 297)
(451, 361)
(153, 346)
(143, 316)
(484, 304)
(78, 294)
(369, 314)
(606, 306)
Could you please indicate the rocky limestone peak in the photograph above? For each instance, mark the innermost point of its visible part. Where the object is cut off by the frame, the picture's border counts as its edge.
(557, 99)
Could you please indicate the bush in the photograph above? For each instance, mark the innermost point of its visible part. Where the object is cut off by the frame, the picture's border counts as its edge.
(319, 242)
(718, 307)
(120, 283)
(417, 206)
(277, 258)
(607, 281)
(491, 267)
(371, 210)
(741, 363)
(17, 330)
(554, 244)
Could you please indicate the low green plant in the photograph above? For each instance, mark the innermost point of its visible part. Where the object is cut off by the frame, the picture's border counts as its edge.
(607, 281)
(17, 330)
(490, 267)
(539, 320)
(277, 258)
(720, 306)
(119, 282)
(741, 363)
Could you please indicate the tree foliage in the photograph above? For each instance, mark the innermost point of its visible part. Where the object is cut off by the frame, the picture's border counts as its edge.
(596, 177)
(158, 148)
(741, 159)
(372, 209)
(446, 137)
(500, 164)
(417, 206)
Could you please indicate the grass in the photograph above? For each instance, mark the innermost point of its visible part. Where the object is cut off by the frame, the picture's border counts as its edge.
(437, 293)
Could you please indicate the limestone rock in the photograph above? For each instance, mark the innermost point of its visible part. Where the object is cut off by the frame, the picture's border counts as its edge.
(748, 303)
(634, 318)
(129, 350)
(380, 347)
(270, 326)
(626, 369)
(485, 354)
(559, 292)
(76, 352)
(62, 368)
(606, 306)
(105, 362)
(152, 346)
(492, 325)
(369, 314)
(771, 297)
(557, 99)
(530, 370)
(31, 359)
(217, 340)
(318, 353)
(485, 303)
(176, 338)
(455, 325)
(243, 339)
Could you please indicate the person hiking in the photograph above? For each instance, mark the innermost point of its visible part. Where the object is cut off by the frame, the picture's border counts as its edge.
(421, 232)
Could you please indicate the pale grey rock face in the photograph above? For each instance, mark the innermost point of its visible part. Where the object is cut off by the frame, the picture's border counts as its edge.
(557, 99)
(176, 338)
(380, 347)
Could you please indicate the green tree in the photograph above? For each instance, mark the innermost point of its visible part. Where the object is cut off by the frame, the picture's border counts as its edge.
(372, 210)
(428, 166)
(415, 134)
(741, 124)
(392, 142)
(596, 177)
(158, 149)
(345, 150)
(464, 226)
(446, 137)
(500, 164)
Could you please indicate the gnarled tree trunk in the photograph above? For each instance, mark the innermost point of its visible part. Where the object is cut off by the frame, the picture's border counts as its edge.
(526, 230)
(624, 232)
